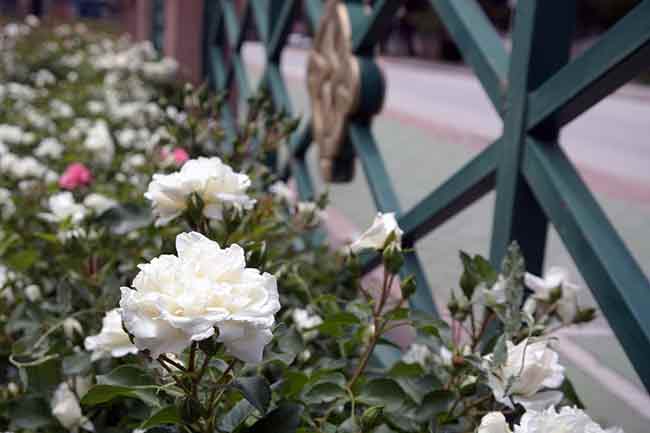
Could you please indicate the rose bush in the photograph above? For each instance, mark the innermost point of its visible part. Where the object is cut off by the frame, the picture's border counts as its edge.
(157, 274)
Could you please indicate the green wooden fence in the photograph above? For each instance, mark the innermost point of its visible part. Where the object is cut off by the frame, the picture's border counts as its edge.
(535, 89)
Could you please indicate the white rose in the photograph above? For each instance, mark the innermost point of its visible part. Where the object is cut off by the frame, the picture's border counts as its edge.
(111, 341)
(61, 109)
(304, 321)
(494, 295)
(49, 147)
(99, 203)
(180, 299)
(215, 182)
(377, 235)
(418, 354)
(282, 192)
(494, 422)
(7, 206)
(62, 206)
(556, 278)
(309, 213)
(71, 326)
(535, 366)
(33, 293)
(568, 420)
(66, 409)
(99, 141)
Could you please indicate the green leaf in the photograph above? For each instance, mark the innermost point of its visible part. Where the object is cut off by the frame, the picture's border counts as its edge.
(413, 381)
(125, 381)
(256, 390)
(383, 392)
(166, 415)
(76, 364)
(500, 354)
(294, 382)
(333, 324)
(432, 404)
(30, 414)
(99, 394)
(383, 429)
(283, 419)
(22, 260)
(235, 416)
(126, 218)
(324, 393)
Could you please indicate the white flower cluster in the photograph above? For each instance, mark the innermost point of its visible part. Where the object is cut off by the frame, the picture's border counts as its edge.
(176, 300)
(567, 420)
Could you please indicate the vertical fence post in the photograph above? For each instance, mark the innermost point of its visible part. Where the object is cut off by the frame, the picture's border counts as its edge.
(542, 37)
(136, 18)
(183, 36)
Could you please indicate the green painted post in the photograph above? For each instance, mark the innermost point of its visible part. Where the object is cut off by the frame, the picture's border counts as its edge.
(517, 214)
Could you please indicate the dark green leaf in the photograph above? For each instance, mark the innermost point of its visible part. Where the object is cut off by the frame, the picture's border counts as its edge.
(77, 364)
(283, 419)
(235, 416)
(166, 415)
(256, 390)
(383, 392)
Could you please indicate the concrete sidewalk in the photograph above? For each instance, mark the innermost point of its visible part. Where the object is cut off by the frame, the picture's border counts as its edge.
(421, 149)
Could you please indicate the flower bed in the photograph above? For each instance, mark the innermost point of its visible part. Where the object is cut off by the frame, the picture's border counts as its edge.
(156, 275)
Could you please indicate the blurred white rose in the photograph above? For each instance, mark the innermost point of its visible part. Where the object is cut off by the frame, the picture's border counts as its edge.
(418, 354)
(49, 147)
(567, 420)
(71, 326)
(378, 233)
(111, 341)
(99, 141)
(99, 203)
(215, 182)
(530, 367)
(66, 409)
(7, 206)
(304, 321)
(544, 289)
(282, 192)
(33, 293)
(494, 422)
(62, 206)
(180, 299)
(60, 109)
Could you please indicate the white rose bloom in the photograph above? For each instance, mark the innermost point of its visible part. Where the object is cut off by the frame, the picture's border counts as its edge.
(95, 107)
(7, 206)
(377, 235)
(44, 78)
(161, 71)
(66, 409)
(304, 320)
(61, 109)
(99, 203)
(33, 293)
(418, 354)
(215, 182)
(32, 20)
(99, 140)
(568, 420)
(309, 213)
(494, 422)
(11, 134)
(49, 147)
(180, 299)
(71, 326)
(111, 341)
(282, 192)
(62, 206)
(133, 162)
(535, 366)
(494, 295)
(556, 278)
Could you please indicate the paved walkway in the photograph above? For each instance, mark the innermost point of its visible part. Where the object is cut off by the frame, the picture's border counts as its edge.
(435, 119)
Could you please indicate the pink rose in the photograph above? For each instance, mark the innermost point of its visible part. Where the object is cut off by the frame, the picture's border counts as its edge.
(74, 176)
(180, 155)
